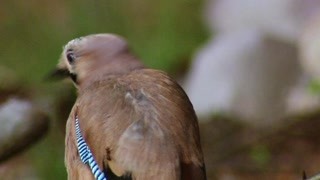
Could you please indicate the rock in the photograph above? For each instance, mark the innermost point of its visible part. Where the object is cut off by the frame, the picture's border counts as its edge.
(244, 74)
(309, 47)
(22, 122)
(252, 69)
(21, 126)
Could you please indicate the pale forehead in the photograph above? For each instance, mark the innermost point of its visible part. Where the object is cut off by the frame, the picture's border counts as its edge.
(74, 43)
(82, 41)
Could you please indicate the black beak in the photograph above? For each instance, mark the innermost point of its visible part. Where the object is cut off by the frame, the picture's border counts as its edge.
(59, 74)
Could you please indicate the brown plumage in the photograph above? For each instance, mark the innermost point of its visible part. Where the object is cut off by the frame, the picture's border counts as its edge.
(138, 122)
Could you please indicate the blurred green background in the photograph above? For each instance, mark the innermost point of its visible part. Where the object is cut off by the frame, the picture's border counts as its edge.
(162, 33)
(165, 34)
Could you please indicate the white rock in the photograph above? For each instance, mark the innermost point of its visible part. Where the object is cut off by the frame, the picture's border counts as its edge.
(245, 74)
(309, 47)
(21, 125)
(12, 115)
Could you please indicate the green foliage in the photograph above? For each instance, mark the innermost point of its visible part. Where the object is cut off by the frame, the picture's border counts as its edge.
(260, 155)
(314, 87)
(162, 33)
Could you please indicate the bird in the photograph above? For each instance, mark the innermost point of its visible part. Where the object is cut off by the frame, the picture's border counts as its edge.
(137, 122)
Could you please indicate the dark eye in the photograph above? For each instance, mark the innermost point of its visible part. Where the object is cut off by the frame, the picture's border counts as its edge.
(71, 57)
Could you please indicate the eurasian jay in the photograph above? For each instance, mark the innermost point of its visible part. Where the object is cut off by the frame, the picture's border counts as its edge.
(137, 123)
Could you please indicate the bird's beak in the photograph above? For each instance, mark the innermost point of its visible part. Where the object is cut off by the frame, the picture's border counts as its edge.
(61, 73)
(58, 74)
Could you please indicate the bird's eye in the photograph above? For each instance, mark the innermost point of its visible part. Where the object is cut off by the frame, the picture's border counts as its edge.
(71, 57)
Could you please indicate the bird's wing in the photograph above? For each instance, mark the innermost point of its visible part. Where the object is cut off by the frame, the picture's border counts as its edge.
(140, 127)
(145, 150)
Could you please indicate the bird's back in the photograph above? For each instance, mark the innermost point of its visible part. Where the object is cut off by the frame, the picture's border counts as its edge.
(141, 124)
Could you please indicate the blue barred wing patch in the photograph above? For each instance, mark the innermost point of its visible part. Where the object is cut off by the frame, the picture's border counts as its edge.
(86, 156)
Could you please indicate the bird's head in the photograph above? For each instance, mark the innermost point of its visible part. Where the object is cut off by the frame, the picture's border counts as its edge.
(93, 56)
